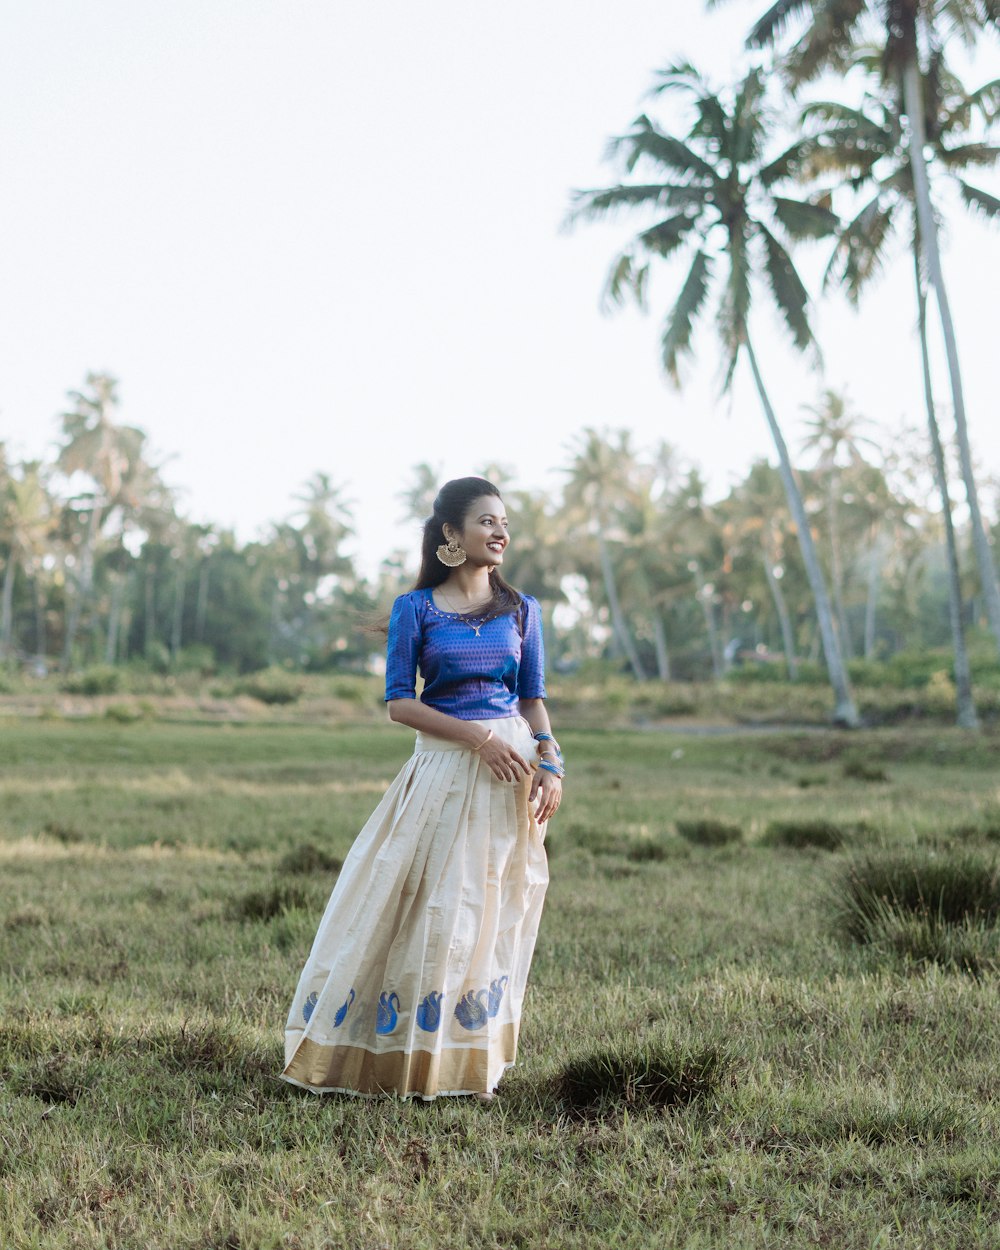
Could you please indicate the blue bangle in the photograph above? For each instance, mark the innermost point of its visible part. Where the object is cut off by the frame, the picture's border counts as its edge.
(551, 768)
(544, 737)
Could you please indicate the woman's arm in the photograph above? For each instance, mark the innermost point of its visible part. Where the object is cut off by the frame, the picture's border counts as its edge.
(536, 714)
(547, 784)
(502, 760)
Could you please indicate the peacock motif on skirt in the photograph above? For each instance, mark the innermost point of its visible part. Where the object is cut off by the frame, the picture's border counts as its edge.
(471, 1011)
(309, 1006)
(429, 1012)
(338, 1019)
(497, 988)
(388, 1006)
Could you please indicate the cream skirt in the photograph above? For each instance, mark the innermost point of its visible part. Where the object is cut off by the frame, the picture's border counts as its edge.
(415, 980)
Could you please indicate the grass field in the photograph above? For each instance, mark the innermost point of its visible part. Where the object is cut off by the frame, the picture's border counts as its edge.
(705, 1059)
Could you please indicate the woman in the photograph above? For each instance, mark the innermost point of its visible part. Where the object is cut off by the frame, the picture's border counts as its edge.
(415, 981)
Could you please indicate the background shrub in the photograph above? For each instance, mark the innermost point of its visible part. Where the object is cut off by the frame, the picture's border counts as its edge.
(98, 679)
(272, 686)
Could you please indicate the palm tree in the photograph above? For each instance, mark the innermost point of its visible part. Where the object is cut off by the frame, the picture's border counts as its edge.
(598, 486)
(694, 535)
(912, 34)
(761, 514)
(966, 716)
(717, 186)
(866, 145)
(834, 434)
(111, 456)
(418, 498)
(27, 520)
(326, 521)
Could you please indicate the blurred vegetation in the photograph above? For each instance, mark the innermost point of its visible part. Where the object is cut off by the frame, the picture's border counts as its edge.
(112, 592)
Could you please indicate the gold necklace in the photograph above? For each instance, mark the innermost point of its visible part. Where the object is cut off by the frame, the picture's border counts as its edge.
(461, 616)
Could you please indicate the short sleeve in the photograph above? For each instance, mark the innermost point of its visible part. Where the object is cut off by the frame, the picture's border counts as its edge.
(402, 650)
(531, 671)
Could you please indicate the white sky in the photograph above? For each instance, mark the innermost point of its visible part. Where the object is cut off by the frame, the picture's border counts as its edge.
(307, 235)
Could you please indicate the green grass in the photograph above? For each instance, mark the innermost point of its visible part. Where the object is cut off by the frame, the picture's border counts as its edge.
(704, 1060)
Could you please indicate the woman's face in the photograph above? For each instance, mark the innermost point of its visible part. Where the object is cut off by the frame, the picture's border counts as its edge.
(484, 534)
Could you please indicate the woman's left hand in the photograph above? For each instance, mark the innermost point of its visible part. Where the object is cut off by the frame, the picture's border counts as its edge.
(548, 787)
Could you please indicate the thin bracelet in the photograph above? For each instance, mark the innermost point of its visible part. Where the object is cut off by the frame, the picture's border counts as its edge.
(489, 735)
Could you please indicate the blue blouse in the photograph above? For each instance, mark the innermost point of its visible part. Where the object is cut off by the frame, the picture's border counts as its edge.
(473, 678)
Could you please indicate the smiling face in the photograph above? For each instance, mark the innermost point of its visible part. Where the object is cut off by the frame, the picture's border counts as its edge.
(484, 534)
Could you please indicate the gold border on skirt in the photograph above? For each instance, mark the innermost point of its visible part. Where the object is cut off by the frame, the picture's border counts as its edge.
(352, 1069)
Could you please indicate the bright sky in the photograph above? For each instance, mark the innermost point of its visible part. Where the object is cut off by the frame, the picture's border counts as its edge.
(307, 235)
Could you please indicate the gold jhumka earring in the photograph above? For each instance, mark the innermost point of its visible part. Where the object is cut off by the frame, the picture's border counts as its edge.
(451, 554)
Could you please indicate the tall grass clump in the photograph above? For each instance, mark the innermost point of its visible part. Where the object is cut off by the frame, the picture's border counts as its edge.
(824, 835)
(709, 832)
(638, 1073)
(856, 768)
(307, 858)
(268, 903)
(924, 906)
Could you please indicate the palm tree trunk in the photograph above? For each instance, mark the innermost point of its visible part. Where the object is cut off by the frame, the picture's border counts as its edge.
(871, 599)
(784, 617)
(705, 597)
(966, 716)
(201, 605)
(114, 619)
(84, 581)
(913, 103)
(837, 566)
(178, 613)
(7, 615)
(149, 622)
(40, 641)
(660, 643)
(845, 711)
(727, 634)
(618, 622)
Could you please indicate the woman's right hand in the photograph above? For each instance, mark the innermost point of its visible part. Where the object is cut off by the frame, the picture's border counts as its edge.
(503, 761)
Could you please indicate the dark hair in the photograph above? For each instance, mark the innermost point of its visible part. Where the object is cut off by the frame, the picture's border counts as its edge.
(451, 507)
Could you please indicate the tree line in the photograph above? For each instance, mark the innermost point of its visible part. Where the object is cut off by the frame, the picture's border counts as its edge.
(631, 559)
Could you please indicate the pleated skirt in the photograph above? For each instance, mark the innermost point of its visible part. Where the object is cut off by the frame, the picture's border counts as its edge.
(416, 978)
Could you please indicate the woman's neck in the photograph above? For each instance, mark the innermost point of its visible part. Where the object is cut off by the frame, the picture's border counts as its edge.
(468, 586)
